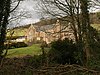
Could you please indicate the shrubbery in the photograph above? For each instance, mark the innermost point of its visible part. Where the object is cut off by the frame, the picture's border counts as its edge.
(16, 45)
(63, 51)
(20, 66)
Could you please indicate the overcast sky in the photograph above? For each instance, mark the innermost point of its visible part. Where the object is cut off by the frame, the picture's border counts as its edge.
(29, 6)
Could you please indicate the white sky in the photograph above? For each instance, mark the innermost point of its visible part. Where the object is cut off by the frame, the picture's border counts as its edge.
(29, 6)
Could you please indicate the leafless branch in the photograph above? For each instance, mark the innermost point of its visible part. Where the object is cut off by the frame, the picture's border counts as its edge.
(15, 6)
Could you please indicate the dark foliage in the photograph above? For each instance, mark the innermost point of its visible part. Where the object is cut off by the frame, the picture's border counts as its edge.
(33, 61)
(94, 62)
(16, 45)
(63, 51)
(4, 15)
(30, 65)
(13, 37)
(20, 66)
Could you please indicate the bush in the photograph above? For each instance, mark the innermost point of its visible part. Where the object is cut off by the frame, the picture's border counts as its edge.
(33, 61)
(20, 66)
(16, 45)
(63, 51)
(20, 44)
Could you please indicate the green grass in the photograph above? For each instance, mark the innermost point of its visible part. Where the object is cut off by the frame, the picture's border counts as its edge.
(18, 32)
(20, 52)
(96, 26)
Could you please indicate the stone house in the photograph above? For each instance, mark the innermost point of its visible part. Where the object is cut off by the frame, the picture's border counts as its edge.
(57, 32)
(33, 34)
(48, 33)
(30, 34)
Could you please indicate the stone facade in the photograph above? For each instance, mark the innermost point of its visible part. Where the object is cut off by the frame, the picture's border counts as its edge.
(31, 34)
(49, 35)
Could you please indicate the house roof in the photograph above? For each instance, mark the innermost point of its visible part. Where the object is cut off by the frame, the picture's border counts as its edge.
(43, 28)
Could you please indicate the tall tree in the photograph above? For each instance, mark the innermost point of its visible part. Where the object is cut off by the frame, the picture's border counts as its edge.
(65, 10)
(85, 27)
(5, 10)
(76, 12)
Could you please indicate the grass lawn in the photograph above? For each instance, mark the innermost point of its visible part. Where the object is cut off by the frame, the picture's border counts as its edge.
(18, 32)
(20, 52)
(96, 26)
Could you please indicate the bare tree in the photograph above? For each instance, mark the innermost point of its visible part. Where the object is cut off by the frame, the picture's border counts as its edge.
(63, 8)
(76, 12)
(68, 11)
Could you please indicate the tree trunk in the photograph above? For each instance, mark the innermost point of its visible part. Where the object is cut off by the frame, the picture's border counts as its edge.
(3, 23)
(85, 28)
